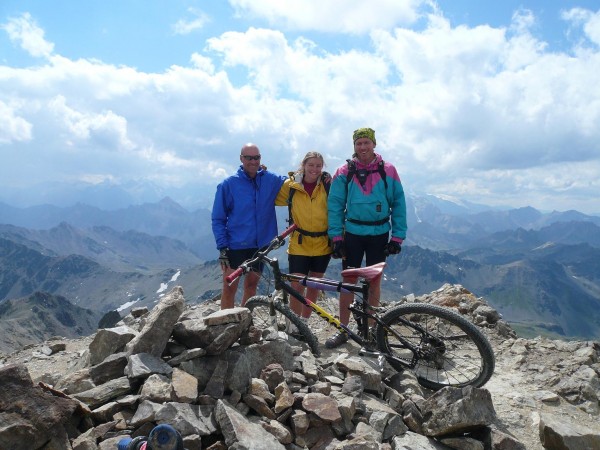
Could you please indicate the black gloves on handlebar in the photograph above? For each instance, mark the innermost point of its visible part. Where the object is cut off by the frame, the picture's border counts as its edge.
(338, 249)
(392, 248)
(224, 258)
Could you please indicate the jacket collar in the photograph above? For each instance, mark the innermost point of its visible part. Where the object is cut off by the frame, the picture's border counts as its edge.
(373, 164)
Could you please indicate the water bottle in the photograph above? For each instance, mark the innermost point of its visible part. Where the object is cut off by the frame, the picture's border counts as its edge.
(162, 437)
(138, 443)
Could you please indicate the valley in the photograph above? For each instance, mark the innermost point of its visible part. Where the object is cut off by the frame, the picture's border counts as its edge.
(542, 273)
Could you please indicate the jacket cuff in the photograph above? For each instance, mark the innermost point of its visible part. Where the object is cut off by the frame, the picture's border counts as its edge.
(397, 239)
(337, 238)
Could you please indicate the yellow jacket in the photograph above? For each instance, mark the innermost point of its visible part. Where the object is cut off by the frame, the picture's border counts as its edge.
(310, 214)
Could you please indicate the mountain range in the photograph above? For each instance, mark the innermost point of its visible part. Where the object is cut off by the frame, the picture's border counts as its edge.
(540, 270)
(39, 316)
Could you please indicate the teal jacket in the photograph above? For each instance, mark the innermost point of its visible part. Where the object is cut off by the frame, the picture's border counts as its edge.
(369, 203)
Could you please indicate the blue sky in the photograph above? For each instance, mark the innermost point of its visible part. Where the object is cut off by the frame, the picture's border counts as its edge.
(491, 102)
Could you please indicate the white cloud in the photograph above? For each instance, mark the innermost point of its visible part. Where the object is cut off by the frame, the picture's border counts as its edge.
(345, 16)
(588, 20)
(482, 99)
(189, 25)
(104, 129)
(482, 112)
(12, 127)
(25, 32)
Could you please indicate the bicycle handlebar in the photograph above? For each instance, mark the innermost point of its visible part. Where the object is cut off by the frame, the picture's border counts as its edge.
(275, 243)
(289, 230)
(234, 275)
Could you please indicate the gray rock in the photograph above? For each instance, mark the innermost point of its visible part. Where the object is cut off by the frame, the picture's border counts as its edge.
(188, 419)
(558, 433)
(157, 388)
(241, 433)
(452, 410)
(325, 408)
(414, 441)
(159, 325)
(185, 386)
(280, 394)
(142, 365)
(29, 416)
(106, 392)
(108, 341)
(113, 366)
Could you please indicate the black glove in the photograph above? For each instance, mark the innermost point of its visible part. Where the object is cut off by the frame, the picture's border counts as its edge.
(338, 250)
(392, 248)
(224, 258)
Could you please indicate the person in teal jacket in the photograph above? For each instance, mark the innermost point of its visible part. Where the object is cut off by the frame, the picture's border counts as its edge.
(244, 221)
(367, 216)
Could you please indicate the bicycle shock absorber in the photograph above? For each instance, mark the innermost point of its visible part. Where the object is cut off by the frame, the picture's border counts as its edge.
(355, 307)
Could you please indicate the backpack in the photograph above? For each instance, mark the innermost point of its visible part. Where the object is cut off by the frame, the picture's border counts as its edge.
(291, 220)
(362, 175)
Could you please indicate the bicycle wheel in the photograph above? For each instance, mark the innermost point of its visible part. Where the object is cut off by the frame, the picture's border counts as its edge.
(260, 307)
(450, 350)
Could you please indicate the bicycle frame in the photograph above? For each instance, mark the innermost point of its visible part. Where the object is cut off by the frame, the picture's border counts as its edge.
(328, 285)
(360, 307)
(360, 311)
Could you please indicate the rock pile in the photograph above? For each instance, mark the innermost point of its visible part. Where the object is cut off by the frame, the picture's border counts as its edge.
(222, 383)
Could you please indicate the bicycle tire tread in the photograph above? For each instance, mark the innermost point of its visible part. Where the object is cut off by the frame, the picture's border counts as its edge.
(474, 335)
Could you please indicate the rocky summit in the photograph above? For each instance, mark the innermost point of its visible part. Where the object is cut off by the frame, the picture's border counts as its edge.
(223, 383)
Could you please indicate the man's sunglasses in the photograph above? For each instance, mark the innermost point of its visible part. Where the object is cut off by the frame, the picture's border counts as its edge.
(251, 158)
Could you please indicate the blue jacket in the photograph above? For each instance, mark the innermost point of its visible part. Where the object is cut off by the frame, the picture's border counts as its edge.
(243, 214)
(369, 203)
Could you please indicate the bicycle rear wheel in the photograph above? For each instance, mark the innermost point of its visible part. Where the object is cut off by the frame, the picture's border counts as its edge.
(260, 307)
(451, 351)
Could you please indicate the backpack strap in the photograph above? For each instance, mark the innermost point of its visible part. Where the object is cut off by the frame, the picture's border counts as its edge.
(352, 172)
(382, 174)
(289, 203)
(327, 186)
(300, 231)
(369, 222)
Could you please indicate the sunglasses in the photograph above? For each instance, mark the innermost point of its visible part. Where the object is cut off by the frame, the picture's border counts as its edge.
(251, 158)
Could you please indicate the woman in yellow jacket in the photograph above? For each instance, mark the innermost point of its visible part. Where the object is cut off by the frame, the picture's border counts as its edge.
(309, 250)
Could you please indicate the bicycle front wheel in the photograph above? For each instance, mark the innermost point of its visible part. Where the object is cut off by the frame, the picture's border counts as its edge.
(449, 350)
(262, 308)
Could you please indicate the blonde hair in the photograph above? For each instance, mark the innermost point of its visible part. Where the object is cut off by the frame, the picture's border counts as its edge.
(308, 156)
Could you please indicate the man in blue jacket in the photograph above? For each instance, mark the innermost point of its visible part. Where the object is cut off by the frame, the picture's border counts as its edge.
(366, 201)
(243, 220)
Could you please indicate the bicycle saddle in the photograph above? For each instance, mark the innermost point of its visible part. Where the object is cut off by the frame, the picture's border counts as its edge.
(369, 273)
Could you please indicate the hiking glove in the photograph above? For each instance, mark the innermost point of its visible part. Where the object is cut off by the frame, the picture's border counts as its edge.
(224, 258)
(392, 248)
(338, 250)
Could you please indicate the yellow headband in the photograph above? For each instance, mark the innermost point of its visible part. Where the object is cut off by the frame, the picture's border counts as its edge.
(364, 133)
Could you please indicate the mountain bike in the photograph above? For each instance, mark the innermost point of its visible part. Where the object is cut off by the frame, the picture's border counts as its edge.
(439, 345)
